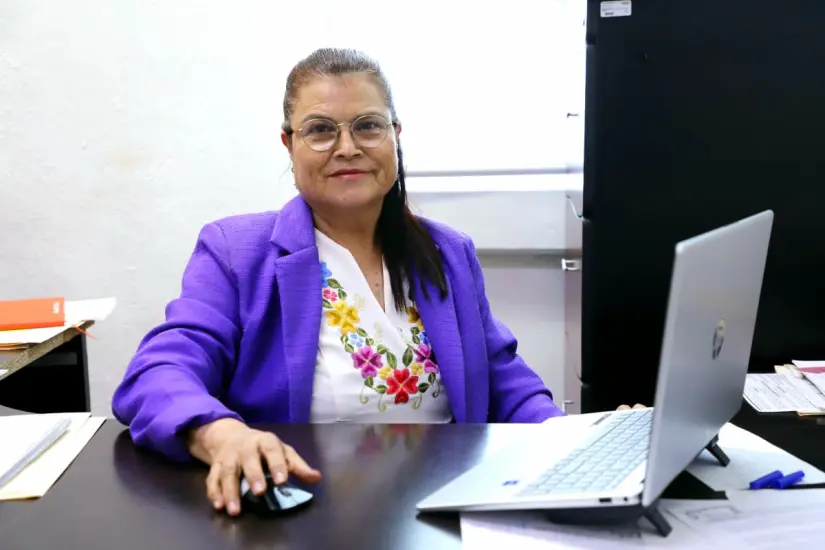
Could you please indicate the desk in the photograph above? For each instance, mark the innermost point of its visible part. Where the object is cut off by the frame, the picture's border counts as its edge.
(116, 496)
(52, 376)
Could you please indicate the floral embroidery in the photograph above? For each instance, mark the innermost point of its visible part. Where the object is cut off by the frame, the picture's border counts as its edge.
(401, 384)
(414, 317)
(378, 365)
(325, 275)
(367, 360)
(344, 316)
(424, 357)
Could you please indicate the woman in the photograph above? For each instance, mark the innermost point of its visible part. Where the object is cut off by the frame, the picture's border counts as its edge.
(342, 306)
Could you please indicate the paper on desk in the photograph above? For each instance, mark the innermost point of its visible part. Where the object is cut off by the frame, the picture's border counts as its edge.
(756, 520)
(40, 475)
(77, 311)
(772, 393)
(817, 379)
(530, 531)
(751, 457)
(810, 366)
(99, 309)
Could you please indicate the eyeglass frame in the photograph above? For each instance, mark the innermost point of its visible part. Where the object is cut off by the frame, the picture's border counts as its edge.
(291, 131)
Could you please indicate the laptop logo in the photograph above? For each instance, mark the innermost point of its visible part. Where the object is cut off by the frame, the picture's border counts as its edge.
(718, 338)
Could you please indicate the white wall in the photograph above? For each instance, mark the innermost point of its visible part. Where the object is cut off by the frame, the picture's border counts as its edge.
(125, 126)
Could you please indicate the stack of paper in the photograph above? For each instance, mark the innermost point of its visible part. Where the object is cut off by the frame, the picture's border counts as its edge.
(26, 437)
(42, 472)
(798, 388)
(76, 313)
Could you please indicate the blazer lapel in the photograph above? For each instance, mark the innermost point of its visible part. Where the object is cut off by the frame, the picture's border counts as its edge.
(299, 290)
(441, 326)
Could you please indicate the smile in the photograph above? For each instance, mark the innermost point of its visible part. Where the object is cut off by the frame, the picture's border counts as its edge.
(349, 175)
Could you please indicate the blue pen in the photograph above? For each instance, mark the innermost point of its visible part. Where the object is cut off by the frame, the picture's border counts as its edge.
(766, 481)
(788, 480)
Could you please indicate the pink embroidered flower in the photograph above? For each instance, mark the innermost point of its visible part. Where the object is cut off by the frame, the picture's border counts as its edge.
(330, 294)
(402, 385)
(424, 355)
(367, 360)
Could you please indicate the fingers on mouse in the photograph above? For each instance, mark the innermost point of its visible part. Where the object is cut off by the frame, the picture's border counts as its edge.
(275, 500)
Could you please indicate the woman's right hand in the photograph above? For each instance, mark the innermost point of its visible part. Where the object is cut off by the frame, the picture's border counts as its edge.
(231, 449)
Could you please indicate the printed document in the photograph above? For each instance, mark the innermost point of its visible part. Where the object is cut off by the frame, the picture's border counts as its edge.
(773, 393)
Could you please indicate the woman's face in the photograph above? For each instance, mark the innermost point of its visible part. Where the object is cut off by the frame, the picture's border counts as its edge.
(349, 174)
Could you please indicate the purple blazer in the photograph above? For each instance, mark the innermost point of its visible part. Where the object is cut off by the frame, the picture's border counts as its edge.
(242, 338)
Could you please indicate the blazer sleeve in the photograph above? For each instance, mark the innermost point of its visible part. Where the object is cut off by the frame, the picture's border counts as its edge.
(173, 381)
(517, 393)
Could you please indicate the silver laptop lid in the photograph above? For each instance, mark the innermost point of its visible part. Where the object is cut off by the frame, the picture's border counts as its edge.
(711, 315)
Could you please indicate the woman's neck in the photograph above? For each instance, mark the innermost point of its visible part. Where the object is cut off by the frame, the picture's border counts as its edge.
(355, 232)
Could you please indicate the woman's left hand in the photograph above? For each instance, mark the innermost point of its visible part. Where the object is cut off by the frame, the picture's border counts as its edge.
(628, 407)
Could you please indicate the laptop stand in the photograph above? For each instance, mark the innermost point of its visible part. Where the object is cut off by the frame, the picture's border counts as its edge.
(717, 452)
(652, 513)
(657, 518)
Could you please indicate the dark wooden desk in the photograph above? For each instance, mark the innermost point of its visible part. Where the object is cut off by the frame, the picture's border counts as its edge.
(116, 496)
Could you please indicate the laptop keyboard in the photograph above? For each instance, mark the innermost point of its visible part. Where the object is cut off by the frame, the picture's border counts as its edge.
(600, 464)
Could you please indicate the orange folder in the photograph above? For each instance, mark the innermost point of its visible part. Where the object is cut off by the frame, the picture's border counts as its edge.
(28, 314)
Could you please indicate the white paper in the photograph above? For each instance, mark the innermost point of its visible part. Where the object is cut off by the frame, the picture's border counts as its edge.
(758, 520)
(751, 457)
(809, 364)
(36, 479)
(531, 531)
(782, 393)
(817, 379)
(77, 311)
(754, 520)
(29, 336)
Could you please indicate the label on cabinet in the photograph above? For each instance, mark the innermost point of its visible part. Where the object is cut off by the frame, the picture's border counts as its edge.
(616, 8)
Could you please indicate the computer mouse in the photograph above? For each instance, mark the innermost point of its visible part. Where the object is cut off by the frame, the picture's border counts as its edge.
(277, 499)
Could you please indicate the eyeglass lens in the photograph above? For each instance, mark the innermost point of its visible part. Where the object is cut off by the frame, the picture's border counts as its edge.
(367, 131)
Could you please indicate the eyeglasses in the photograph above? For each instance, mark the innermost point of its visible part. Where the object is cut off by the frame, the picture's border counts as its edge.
(368, 131)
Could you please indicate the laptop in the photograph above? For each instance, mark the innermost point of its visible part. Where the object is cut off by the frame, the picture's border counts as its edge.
(617, 468)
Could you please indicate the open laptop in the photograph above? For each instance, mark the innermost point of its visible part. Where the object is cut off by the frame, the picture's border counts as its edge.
(619, 466)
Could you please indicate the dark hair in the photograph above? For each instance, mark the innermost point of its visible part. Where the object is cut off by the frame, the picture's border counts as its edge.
(407, 246)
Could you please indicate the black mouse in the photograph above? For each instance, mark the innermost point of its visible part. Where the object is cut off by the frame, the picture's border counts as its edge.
(277, 499)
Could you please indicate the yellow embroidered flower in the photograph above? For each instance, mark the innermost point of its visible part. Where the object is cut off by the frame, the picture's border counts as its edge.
(384, 372)
(415, 317)
(417, 369)
(344, 316)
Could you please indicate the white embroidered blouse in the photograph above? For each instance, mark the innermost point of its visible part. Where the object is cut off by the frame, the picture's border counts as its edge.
(373, 365)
